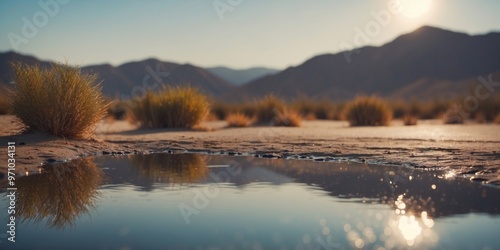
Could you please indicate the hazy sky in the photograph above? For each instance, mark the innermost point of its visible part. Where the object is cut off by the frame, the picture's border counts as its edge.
(234, 33)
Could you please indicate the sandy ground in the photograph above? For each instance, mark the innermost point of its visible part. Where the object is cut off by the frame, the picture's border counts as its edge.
(470, 150)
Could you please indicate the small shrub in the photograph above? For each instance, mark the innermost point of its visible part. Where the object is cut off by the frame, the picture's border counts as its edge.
(4, 104)
(410, 120)
(368, 111)
(238, 120)
(268, 107)
(118, 110)
(287, 118)
(452, 117)
(59, 101)
(172, 107)
(497, 119)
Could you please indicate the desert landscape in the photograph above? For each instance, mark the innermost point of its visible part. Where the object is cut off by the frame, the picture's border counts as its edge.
(251, 133)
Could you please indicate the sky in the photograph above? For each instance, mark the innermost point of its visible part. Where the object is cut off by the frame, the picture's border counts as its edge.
(233, 33)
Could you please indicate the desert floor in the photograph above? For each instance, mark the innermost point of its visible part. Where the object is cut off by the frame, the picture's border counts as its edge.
(469, 150)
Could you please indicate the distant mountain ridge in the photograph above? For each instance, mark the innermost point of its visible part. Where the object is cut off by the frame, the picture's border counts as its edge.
(426, 63)
(242, 76)
(133, 78)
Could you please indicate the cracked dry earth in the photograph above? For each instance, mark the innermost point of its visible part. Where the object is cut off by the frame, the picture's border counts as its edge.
(469, 151)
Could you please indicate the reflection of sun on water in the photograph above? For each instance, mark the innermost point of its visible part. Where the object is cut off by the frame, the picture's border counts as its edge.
(410, 226)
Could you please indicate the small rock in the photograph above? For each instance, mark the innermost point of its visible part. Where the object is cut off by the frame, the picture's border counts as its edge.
(106, 152)
(50, 160)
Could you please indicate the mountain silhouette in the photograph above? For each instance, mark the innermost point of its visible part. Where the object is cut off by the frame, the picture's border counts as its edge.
(131, 79)
(426, 63)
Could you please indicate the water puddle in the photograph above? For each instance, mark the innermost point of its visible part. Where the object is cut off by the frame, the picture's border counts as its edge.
(195, 201)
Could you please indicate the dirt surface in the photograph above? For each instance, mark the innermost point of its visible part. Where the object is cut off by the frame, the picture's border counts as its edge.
(469, 151)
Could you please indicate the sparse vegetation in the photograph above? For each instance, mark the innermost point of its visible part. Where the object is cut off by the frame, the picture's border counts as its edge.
(287, 118)
(4, 104)
(172, 107)
(497, 119)
(268, 107)
(238, 120)
(452, 117)
(59, 101)
(410, 120)
(368, 111)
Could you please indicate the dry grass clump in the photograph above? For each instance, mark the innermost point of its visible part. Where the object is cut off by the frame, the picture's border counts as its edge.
(4, 104)
(268, 107)
(410, 120)
(172, 107)
(452, 117)
(368, 111)
(59, 195)
(59, 101)
(238, 120)
(287, 118)
(497, 119)
(171, 168)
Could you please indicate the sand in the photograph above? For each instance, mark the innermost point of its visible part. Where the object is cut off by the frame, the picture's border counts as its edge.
(467, 151)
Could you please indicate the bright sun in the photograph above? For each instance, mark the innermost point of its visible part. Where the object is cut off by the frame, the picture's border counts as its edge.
(414, 8)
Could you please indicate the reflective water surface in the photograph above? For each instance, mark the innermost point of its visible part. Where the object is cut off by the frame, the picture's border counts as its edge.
(189, 201)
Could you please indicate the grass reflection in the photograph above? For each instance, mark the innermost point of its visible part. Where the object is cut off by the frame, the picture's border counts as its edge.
(60, 194)
(171, 168)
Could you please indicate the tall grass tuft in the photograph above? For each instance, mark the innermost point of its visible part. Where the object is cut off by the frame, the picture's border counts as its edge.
(368, 111)
(238, 120)
(268, 107)
(497, 119)
(60, 101)
(172, 107)
(287, 118)
(4, 104)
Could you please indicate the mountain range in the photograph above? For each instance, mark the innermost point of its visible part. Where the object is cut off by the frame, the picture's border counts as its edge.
(426, 63)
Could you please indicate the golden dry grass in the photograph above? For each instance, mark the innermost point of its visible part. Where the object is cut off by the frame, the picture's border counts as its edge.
(60, 194)
(172, 107)
(268, 107)
(4, 104)
(59, 101)
(497, 119)
(238, 120)
(368, 111)
(287, 118)
(410, 120)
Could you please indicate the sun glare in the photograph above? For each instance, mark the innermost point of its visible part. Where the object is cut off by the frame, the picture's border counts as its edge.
(415, 8)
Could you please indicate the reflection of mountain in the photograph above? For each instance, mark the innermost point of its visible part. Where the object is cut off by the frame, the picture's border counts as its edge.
(355, 182)
(59, 194)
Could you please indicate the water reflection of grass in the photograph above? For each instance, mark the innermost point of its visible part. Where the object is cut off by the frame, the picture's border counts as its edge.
(171, 168)
(60, 194)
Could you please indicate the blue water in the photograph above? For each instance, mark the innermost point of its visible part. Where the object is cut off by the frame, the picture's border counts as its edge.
(189, 201)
